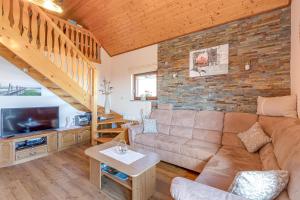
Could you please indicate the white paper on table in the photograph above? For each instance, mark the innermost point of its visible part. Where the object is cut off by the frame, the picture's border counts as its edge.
(127, 158)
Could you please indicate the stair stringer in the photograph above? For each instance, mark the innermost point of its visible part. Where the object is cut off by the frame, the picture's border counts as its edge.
(34, 58)
(22, 65)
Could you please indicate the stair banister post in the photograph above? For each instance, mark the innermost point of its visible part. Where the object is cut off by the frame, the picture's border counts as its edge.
(94, 105)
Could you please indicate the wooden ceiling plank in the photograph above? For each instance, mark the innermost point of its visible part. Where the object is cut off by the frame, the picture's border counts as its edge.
(126, 25)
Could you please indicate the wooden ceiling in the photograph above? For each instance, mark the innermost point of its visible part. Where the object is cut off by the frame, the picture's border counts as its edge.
(125, 25)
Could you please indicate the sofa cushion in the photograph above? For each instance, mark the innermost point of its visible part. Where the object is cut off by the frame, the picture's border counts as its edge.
(142, 146)
(220, 171)
(181, 160)
(269, 162)
(207, 135)
(268, 159)
(285, 106)
(163, 128)
(209, 120)
(235, 123)
(146, 139)
(231, 139)
(165, 106)
(199, 149)
(163, 118)
(183, 118)
(286, 141)
(180, 131)
(208, 126)
(285, 138)
(267, 123)
(169, 143)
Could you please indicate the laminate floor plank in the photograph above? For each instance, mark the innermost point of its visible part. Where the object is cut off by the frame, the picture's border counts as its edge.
(65, 176)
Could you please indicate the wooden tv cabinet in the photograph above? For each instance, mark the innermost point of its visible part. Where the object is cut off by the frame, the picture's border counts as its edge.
(57, 140)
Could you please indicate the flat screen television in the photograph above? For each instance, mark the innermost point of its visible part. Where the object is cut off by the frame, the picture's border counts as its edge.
(28, 120)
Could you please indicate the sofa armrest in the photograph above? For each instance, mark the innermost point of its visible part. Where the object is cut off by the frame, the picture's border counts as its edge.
(184, 189)
(133, 131)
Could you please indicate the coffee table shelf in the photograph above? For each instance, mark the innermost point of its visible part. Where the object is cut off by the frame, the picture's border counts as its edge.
(127, 183)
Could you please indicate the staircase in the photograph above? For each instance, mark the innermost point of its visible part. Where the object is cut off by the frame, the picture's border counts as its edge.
(59, 57)
(82, 38)
(111, 128)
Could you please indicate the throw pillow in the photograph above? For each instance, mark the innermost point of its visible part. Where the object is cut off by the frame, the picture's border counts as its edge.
(285, 106)
(149, 126)
(254, 138)
(259, 185)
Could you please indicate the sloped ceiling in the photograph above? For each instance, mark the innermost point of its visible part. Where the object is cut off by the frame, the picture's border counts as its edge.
(125, 25)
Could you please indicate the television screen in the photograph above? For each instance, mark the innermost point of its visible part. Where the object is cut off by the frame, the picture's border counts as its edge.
(26, 120)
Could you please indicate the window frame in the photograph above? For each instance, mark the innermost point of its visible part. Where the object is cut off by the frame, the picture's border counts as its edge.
(134, 85)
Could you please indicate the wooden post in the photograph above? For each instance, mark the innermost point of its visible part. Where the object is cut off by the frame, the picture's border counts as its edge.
(94, 106)
(95, 173)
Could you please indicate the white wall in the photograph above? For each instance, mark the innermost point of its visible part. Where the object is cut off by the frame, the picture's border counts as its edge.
(119, 72)
(295, 50)
(104, 72)
(11, 74)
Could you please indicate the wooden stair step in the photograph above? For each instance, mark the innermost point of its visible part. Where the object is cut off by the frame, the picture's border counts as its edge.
(111, 121)
(112, 130)
(104, 140)
(106, 115)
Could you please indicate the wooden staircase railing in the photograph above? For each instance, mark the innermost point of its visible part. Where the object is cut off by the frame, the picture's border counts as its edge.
(82, 38)
(30, 33)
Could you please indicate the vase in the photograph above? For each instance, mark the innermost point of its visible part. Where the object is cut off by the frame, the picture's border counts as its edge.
(107, 104)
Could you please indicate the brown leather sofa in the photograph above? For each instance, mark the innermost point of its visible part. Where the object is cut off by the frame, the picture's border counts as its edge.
(207, 142)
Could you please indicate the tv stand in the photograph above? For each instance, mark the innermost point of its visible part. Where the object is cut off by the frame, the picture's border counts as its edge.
(23, 148)
(30, 143)
(10, 136)
(28, 148)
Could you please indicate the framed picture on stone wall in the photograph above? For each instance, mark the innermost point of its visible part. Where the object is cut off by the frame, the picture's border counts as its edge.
(209, 61)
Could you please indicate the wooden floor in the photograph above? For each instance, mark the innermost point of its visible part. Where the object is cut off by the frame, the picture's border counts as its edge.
(64, 176)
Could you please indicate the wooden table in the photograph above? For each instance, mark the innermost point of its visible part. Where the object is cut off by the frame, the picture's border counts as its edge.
(142, 173)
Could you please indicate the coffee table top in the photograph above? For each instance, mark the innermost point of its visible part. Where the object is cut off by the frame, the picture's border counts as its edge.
(134, 169)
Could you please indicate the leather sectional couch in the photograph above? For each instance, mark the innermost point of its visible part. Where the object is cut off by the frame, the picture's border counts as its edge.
(207, 142)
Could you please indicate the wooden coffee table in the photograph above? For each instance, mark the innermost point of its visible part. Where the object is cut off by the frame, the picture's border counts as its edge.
(142, 173)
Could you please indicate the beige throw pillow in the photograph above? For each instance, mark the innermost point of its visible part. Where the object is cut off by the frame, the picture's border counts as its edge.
(259, 185)
(285, 106)
(254, 138)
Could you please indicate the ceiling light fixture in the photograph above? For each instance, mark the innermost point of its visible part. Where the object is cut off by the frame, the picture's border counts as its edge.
(47, 4)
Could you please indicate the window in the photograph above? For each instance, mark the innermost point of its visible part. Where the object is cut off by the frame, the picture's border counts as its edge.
(145, 86)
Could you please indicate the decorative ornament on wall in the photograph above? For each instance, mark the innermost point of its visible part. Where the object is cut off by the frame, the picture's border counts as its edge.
(209, 61)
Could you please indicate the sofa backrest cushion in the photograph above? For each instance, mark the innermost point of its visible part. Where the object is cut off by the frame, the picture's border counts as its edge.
(163, 118)
(285, 106)
(182, 123)
(165, 106)
(268, 158)
(269, 162)
(208, 126)
(235, 123)
(286, 141)
(267, 123)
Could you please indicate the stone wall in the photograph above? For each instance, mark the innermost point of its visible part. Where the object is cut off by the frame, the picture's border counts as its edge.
(264, 40)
